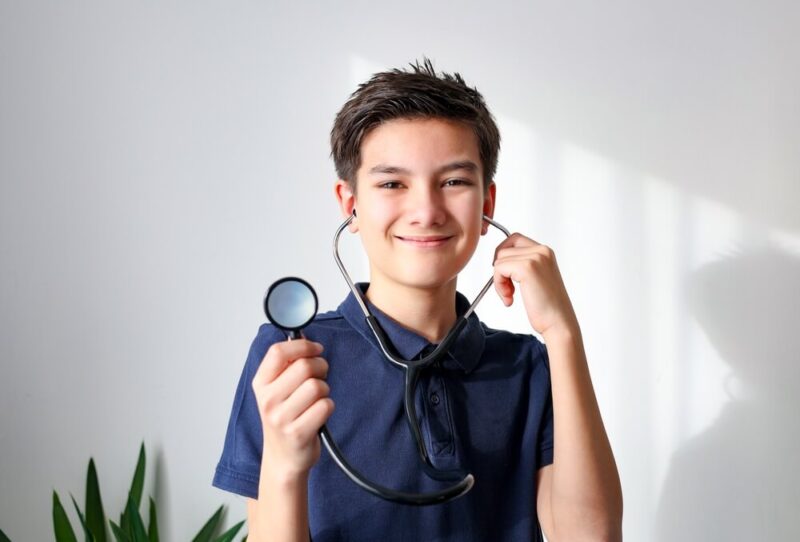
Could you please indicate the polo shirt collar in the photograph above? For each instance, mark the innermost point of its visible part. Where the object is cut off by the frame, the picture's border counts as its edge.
(464, 354)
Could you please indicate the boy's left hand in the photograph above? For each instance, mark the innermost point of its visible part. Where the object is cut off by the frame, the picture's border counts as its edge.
(533, 265)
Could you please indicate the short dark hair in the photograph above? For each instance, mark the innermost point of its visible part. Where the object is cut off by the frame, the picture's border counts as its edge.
(421, 93)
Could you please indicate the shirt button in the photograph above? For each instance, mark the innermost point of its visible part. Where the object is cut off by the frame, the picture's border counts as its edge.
(435, 398)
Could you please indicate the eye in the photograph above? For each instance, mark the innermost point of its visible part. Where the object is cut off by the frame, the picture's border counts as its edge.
(390, 185)
(456, 182)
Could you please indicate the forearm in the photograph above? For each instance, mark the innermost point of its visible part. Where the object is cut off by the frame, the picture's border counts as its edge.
(585, 495)
(281, 512)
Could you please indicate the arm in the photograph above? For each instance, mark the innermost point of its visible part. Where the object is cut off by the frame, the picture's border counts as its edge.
(293, 404)
(579, 495)
(281, 511)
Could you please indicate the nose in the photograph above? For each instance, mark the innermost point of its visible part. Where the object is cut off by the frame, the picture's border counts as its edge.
(426, 207)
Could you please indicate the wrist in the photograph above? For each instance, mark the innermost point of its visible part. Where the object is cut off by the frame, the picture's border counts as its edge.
(282, 507)
(563, 332)
(285, 480)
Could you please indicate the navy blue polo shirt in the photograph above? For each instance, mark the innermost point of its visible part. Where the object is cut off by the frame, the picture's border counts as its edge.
(487, 409)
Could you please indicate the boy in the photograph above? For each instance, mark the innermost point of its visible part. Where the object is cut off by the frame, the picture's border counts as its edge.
(416, 154)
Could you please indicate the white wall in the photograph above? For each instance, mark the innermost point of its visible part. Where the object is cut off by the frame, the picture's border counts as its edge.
(162, 162)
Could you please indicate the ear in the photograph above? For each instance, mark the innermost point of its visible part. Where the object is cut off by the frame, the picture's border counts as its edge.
(347, 202)
(488, 206)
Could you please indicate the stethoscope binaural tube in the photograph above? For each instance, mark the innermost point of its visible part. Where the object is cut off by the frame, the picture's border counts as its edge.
(412, 369)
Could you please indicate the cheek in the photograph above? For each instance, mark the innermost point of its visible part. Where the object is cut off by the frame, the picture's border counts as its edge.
(373, 225)
(378, 213)
(470, 216)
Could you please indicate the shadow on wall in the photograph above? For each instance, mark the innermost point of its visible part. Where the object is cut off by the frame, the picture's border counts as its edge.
(739, 479)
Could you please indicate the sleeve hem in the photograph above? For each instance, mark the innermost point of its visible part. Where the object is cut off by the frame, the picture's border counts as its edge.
(236, 482)
(545, 457)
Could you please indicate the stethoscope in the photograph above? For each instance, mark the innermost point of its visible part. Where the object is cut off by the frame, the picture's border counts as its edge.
(291, 304)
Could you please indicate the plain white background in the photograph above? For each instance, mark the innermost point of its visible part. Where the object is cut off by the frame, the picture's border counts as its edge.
(162, 162)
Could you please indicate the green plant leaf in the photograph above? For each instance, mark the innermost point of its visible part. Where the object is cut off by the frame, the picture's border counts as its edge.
(244, 539)
(209, 528)
(152, 528)
(61, 525)
(137, 525)
(119, 534)
(3, 537)
(124, 524)
(137, 484)
(228, 535)
(138, 478)
(87, 535)
(95, 516)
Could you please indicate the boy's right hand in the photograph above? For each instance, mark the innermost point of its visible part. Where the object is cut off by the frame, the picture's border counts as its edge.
(293, 403)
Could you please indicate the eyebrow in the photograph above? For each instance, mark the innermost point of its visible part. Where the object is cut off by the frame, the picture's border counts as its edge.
(467, 165)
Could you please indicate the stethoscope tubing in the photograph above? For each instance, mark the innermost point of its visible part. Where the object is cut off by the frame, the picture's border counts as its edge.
(412, 370)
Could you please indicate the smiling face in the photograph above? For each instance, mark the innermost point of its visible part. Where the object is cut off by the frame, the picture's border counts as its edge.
(419, 201)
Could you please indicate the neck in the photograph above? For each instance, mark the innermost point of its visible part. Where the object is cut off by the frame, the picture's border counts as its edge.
(429, 312)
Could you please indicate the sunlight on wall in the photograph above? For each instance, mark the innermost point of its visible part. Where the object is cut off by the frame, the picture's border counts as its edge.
(663, 255)
(785, 240)
(714, 229)
(515, 183)
(625, 241)
(587, 237)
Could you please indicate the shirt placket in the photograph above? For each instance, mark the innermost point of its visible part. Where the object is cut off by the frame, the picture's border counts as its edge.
(437, 419)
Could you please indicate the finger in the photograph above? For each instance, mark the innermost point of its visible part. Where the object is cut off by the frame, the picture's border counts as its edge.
(309, 422)
(517, 267)
(511, 269)
(515, 240)
(530, 250)
(308, 393)
(280, 355)
(293, 377)
(504, 288)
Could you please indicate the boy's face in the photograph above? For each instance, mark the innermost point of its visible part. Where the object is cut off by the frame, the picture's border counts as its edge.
(419, 220)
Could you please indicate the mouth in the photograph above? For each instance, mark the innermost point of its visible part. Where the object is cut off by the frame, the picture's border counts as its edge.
(429, 241)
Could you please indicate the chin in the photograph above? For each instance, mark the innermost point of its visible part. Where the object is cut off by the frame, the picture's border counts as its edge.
(424, 279)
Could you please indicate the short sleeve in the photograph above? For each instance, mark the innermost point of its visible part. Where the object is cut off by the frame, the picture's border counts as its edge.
(546, 427)
(239, 466)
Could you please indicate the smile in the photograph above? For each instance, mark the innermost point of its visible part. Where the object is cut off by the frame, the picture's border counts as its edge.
(425, 242)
